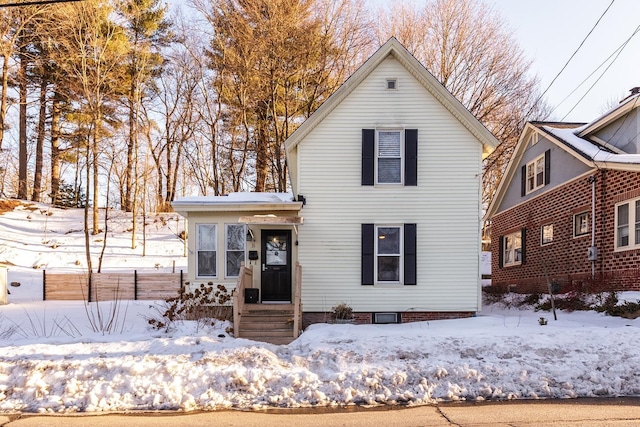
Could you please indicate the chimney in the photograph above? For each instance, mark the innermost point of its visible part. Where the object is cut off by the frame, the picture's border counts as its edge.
(634, 91)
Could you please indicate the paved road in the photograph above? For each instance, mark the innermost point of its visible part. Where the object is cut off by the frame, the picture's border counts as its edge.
(566, 413)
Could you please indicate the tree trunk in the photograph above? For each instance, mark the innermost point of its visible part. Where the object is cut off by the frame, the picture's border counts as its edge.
(128, 181)
(55, 149)
(94, 149)
(37, 178)
(3, 101)
(22, 134)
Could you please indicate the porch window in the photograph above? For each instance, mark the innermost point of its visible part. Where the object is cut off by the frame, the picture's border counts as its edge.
(388, 254)
(206, 250)
(235, 241)
(627, 217)
(581, 224)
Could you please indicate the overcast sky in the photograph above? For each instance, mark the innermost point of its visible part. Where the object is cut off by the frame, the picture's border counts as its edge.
(549, 31)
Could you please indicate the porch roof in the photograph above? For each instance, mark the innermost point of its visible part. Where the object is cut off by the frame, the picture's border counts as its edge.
(238, 202)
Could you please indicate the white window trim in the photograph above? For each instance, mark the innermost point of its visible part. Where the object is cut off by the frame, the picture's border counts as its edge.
(215, 239)
(400, 255)
(633, 222)
(402, 156)
(575, 217)
(534, 163)
(542, 242)
(226, 249)
(504, 250)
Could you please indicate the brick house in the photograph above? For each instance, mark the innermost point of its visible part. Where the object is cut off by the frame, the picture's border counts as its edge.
(567, 210)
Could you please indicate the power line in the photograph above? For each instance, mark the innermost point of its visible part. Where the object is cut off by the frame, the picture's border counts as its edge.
(576, 51)
(616, 51)
(35, 3)
(605, 70)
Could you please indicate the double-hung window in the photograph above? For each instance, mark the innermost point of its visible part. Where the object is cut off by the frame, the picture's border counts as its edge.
(512, 252)
(547, 234)
(206, 250)
(535, 174)
(235, 242)
(389, 157)
(627, 232)
(581, 224)
(388, 254)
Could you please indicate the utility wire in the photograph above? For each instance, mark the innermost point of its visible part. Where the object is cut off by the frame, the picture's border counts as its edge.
(576, 51)
(605, 70)
(35, 3)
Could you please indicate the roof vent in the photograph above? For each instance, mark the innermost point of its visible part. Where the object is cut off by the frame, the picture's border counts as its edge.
(635, 90)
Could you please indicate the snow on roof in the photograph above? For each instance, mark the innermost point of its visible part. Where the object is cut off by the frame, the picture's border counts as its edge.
(590, 150)
(241, 197)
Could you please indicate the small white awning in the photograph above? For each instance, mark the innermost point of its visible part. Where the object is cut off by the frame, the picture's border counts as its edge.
(271, 220)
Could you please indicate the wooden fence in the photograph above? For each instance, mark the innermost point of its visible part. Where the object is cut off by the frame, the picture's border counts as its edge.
(111, 286)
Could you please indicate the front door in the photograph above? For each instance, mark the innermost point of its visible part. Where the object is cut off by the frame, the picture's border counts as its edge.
(276, 266)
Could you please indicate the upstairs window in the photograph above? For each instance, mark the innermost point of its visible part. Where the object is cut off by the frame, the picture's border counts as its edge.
(536, 173)
(627, 231)
(389, 157)
(206, 250)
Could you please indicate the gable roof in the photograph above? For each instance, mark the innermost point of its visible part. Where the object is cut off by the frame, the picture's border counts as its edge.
(576, 139)
(394, 48)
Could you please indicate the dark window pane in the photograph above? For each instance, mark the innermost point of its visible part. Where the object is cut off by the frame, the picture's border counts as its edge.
(389, 240)
(234, 259)
(389, 170)
(206, 263)
(388, 269)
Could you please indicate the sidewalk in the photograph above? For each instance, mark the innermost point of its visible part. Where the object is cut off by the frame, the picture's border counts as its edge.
(582, 412)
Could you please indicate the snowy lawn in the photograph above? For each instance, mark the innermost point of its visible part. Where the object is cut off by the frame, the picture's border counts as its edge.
(52, 360)
(54, 357)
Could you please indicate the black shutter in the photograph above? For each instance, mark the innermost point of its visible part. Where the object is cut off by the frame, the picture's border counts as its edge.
(523, 186)
(547, 167)
(368, 156)
(523, 238)
(411, 157)
(410, 254)
(367, 267)
(501, 252)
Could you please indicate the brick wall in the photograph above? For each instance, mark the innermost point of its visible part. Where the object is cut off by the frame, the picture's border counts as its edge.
(565, 260)
(363, 318)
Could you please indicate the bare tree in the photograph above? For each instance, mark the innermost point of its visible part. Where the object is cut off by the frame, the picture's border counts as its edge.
(467, 46)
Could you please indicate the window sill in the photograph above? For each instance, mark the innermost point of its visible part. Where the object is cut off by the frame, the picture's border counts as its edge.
(582, 236)
(517, 264)
(626, 249)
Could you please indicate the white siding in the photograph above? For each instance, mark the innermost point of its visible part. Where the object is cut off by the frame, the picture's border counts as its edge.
(445, 205)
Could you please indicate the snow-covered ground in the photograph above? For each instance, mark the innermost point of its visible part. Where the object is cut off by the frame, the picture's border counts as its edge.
(52, 359)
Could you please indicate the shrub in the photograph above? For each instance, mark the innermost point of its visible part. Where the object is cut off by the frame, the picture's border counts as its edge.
(205, 304)
(342, 311)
